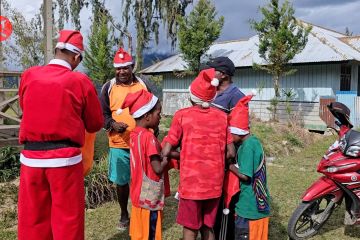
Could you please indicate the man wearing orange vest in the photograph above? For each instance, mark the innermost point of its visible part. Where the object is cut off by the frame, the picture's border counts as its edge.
(58, 106)
(118, 125)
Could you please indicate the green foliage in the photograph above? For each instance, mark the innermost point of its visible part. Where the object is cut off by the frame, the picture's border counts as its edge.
(147, 16)
(281, 37)
(274, 102)
(27, 46)
(197, 32)
(289, 96)
(98, 59)
(294, 140)
(9, 163)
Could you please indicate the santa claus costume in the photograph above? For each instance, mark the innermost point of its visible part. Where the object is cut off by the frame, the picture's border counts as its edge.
(58, 106)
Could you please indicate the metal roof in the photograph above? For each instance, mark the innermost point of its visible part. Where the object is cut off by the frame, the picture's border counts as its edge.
(323, 45)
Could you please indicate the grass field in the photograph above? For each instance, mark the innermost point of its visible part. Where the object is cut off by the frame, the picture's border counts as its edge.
(288, 178)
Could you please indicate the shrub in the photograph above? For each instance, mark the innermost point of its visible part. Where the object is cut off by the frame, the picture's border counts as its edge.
(9, 163)
(98, 188)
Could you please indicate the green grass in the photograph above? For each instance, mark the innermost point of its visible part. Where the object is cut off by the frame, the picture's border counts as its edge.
(289, 176)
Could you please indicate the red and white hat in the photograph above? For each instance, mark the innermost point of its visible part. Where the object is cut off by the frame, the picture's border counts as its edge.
(71, 40)
(122, 58)
(139, 103)
(203, 87)
(239, 116)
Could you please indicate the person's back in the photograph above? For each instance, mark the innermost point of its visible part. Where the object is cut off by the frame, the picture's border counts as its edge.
(203, 144)
(54, 100)
(205, 140)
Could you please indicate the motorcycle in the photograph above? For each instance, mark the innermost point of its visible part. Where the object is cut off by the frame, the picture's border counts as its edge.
(341, 182)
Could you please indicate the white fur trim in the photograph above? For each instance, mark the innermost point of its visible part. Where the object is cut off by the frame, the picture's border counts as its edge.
(68, 46)
(215, 82)
(61, 63)
(205, 105)
(238, 131)
(146, 108)
(197, 100)
(122, 64)
(119, 111)
(51, 162)
(253, 92)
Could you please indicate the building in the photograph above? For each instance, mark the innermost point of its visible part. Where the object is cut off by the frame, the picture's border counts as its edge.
(327, 68)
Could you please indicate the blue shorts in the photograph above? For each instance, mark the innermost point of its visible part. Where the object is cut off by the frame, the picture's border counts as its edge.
(119, 166)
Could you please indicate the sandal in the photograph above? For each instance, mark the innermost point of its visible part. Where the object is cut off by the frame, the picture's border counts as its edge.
(123, 225)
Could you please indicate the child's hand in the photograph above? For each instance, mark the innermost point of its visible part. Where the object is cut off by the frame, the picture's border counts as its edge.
(119, 127)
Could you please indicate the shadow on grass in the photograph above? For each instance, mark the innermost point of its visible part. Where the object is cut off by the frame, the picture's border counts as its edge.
(276, 229)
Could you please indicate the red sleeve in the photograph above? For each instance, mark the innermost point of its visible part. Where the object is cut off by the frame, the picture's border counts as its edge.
(92, 113)
(229, 138)
(152, 145)
(175, 132)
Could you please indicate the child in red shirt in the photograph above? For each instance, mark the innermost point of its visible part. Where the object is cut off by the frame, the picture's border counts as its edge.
(202, 131)
(146, 166)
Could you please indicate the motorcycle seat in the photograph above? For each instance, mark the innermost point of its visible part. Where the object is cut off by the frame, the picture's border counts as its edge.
(352, 138)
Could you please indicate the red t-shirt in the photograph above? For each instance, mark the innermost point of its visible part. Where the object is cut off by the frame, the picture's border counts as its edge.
(149, 146)
(203, 134)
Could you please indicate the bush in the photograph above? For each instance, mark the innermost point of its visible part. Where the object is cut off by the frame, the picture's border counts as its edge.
(98, 188)
(9, 163)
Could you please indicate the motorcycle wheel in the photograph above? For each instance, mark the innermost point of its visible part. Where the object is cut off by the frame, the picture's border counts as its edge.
(309, 217)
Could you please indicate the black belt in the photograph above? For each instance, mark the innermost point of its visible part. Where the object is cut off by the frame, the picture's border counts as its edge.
(50, 145)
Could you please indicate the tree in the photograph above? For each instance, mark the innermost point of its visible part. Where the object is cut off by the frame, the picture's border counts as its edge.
(197, 32)
(147, 15)
(27, 47)
(99, 54)
(281, 37)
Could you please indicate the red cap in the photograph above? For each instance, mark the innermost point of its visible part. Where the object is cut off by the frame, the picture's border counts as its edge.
(70, 40)
(122, 58)
(239, 117)
(204, 85)
(138, 103)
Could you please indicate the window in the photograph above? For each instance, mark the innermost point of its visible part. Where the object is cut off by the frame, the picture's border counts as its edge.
(345, 78)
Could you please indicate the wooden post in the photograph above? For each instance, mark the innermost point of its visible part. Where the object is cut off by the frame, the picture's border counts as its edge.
(48, 30)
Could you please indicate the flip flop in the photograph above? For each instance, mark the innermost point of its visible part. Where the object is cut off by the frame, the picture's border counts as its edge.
(123, 225)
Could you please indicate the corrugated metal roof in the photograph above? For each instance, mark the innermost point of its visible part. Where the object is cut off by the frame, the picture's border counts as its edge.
(323, 45)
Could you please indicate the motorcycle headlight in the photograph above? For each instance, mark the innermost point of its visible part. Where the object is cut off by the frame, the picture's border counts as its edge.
(333, 169)
(353, 151)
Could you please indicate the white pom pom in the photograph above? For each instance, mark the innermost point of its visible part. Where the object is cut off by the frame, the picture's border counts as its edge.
(226, 211)
(60, 45)
(215, 82)
(121, 55)
(176, 196)
(205, 105)
(253, 92)
(119, 111)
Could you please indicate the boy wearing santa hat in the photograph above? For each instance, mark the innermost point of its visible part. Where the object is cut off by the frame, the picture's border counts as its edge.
(252, 209)
(147, 188)
(58, 105)
(119, 126)
(205, 140)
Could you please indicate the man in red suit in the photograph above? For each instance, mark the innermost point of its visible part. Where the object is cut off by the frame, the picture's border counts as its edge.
(58, 105)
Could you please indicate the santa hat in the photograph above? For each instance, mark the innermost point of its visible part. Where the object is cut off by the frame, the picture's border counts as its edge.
(239, 116)
(138, 103)
(122, 58)
(71, 40)
(203, 88)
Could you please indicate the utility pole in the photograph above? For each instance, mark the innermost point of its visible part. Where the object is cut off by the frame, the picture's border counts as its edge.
(48, 30)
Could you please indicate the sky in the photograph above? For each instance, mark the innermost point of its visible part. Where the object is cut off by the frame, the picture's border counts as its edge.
(331, 14)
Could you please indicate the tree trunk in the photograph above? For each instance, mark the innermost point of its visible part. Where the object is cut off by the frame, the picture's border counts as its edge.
(276, 85)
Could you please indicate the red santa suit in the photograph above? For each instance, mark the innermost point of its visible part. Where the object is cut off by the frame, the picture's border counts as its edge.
(58, 106)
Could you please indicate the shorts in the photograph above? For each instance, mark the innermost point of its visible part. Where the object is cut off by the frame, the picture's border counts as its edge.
(194, 214)
(248, 229)
(119, 166)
